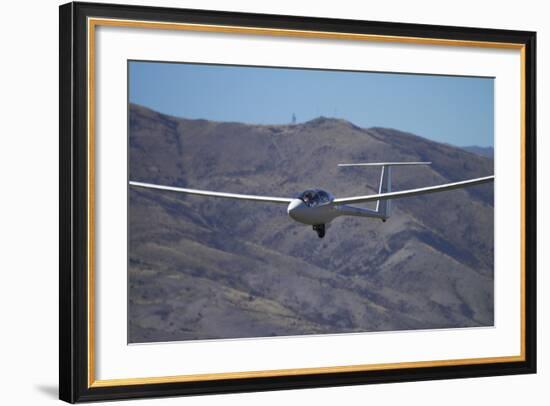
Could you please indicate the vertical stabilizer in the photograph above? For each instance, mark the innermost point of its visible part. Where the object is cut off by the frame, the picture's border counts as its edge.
(383, 207)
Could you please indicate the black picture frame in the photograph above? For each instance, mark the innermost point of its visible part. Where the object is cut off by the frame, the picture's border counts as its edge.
(74, 382)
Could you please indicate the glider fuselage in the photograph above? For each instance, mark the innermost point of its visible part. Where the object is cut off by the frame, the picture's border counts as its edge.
(316, 207)
(302, 213)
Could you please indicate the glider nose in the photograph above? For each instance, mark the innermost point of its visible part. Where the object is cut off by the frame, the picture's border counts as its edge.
(294, 206)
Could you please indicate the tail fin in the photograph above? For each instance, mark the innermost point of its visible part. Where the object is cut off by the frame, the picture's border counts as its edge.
(383, 208)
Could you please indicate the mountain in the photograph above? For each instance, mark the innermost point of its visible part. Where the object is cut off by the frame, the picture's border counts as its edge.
(487, 152)
(202, 268)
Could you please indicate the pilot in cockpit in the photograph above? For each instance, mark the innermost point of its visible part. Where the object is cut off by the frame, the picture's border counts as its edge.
(308, 198)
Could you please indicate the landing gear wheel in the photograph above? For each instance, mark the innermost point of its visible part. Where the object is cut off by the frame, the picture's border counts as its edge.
(320, 228)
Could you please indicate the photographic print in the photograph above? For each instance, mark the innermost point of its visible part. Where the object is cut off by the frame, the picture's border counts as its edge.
(269, 201)
(291, 202)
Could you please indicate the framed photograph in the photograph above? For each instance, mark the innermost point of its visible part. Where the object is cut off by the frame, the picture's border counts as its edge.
(256, 202)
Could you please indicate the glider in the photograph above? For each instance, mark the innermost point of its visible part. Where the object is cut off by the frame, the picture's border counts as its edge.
(317, 208)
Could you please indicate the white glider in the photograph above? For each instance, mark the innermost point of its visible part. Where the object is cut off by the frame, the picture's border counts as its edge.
(317, 207)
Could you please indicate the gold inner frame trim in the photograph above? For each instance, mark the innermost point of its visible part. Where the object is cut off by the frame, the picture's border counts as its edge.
(299, 371)
(94, 22)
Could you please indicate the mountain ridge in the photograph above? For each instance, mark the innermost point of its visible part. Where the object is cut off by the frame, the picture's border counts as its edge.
(429, 266)
(487, 152)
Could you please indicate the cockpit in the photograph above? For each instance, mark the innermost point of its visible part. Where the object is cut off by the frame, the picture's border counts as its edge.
(315, 197)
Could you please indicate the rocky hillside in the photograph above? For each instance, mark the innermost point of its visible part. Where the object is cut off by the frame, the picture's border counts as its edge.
(488, 152)
(203, 268)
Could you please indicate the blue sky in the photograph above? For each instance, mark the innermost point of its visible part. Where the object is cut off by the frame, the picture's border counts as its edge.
(454, 110)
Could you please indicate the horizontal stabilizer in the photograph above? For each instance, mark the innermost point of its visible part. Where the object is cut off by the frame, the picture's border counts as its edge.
(386, 164)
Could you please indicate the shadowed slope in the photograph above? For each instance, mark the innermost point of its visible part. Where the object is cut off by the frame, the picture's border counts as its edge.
(214, 268)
